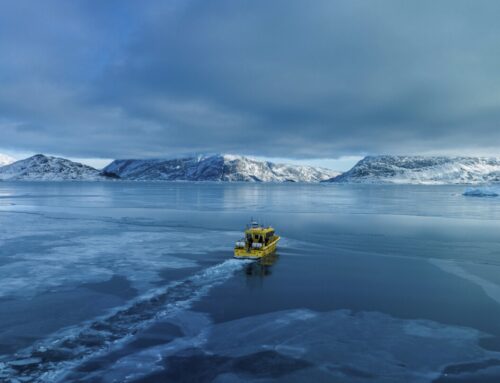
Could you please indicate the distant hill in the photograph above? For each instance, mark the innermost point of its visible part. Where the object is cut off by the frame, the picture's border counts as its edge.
(216, 167)
(46, 168)
(422, 170)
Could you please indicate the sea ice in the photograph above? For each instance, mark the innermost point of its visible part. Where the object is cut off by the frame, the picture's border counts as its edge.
(74, 345)
(66, 251)
(303, 345)
(490, 288)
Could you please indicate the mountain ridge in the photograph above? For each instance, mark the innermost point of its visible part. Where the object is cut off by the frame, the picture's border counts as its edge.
(422, 170)
(216, 167)
(47, 168)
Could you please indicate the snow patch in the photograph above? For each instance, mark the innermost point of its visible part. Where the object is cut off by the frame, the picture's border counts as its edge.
(6, 160)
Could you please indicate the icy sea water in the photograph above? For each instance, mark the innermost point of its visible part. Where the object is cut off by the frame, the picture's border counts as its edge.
(134, 282)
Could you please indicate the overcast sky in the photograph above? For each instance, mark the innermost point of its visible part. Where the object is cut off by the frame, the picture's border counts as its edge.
(302, 80)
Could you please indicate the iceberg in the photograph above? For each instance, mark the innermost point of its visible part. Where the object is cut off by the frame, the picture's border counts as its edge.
(481, 192)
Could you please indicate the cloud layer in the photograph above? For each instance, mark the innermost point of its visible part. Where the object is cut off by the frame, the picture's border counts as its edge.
(285, 78)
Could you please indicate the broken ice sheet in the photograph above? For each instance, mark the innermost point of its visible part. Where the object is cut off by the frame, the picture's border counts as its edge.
(304, 345)
(93, 253)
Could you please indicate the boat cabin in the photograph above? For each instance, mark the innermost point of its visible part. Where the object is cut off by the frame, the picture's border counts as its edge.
(257, 242)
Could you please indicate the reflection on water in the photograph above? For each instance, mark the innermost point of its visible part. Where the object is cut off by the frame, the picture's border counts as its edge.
(262, 267)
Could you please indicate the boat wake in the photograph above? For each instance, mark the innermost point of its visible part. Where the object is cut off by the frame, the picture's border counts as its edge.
(51, 359)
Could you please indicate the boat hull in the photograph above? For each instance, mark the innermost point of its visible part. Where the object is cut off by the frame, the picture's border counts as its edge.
(256, 253)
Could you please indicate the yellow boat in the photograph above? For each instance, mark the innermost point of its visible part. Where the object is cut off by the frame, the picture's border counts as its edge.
(258, 242)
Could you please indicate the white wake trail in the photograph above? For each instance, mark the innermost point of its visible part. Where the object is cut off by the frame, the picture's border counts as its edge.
(51, 359)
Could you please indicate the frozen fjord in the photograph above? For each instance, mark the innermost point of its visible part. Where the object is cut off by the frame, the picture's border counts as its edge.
(147, 264)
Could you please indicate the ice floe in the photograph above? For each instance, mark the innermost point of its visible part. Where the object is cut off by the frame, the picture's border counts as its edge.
(49, 360)
(303, 345)
(491, 289)
(66, 252)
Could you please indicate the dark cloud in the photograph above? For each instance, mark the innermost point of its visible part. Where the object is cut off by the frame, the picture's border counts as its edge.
(284, 78)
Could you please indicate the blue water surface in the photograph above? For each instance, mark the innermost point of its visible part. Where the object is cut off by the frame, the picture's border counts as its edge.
(135, 282)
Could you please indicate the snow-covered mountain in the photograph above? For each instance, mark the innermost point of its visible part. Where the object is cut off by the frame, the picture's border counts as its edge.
(5, 159)
(215, 168)
(45, 168)
(423, 170)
